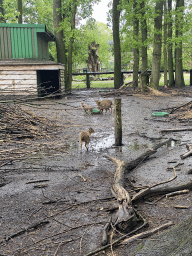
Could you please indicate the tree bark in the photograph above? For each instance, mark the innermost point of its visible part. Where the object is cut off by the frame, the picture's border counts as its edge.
(144, 64)
(165, 43)
(170, 45)
(20, 11)
(2, 20)
(156, 61)
(60, 44)
(179, 79)
(70, 50)
(117, 47)
(136, 48)
(117, 122)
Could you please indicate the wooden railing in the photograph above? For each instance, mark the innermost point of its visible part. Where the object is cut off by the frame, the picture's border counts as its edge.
(87, 74)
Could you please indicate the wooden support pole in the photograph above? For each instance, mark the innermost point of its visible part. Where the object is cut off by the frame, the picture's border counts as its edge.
(88, 81)
(190, 76)
(117, 122)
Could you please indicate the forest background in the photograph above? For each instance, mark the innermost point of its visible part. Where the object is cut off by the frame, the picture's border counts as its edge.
(140, 35)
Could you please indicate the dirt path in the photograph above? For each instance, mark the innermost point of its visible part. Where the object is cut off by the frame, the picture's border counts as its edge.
(75, 193)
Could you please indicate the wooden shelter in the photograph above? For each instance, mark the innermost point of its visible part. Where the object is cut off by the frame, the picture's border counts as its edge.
(24, 60)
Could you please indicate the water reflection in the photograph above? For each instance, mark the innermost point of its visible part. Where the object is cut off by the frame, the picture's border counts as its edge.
(136, 146)
(103, 143)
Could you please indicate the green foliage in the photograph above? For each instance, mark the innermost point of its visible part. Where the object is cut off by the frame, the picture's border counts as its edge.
(92, 31)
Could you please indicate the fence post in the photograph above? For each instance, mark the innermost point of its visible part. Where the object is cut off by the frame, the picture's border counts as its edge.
(190, 77)
(122, 78)
(117, 122)
(87, 81)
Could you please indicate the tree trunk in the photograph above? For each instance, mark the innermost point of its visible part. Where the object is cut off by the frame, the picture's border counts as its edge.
(144, 47)
(69, 82)
(179, 79)
(117, 47)
(60, 44)
(165, 43)
(117, 122)
(20, 11)
(2, 20)
(135, 49)
(170, 45)
(156, 61)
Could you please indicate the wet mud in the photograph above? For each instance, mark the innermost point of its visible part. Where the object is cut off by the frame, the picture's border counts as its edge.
(75, 193)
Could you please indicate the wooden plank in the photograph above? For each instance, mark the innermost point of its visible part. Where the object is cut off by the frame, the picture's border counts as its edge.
(17, 77)
(17, 72)
(9, 82)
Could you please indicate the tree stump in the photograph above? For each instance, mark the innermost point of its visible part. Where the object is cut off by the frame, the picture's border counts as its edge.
(93, 62)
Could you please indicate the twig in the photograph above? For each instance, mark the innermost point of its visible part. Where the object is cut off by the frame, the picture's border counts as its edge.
(118, 240)
(62, 232)
(82, 237)
(180, 206)
(185, 191)
(148, 233)
(143, 191)
(32, 227)
(35, 181)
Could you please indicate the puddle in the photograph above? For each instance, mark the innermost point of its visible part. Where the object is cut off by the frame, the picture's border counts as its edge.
(104, 142)
(136, 146)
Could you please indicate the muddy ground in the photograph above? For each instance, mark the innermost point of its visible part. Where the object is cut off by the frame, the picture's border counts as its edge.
(71, 202)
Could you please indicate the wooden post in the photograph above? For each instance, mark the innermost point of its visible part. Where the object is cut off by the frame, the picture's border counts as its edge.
(88, 81)
(190, 76)
(117, 122)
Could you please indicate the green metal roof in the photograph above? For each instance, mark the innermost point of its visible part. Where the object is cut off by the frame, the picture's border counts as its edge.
(24, 40)
(38, 28)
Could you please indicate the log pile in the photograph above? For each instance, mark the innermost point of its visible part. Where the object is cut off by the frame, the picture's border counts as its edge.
(17, 124)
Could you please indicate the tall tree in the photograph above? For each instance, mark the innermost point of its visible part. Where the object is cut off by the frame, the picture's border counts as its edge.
(144, 58)
(1, 12)
(60, 44)
(70, 50)
(179, 78)
(20, 10)
(135, 40)
(170, 44)
(156, 59)
(117, 48)
(165, 42)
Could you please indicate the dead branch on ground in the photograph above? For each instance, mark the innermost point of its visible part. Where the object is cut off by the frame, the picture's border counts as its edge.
(125, 218)
(188, 153)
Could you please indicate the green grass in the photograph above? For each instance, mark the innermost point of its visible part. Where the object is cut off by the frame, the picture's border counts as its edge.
(110, 83)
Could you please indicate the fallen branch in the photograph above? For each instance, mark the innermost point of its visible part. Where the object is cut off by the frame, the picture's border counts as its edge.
(30, 228)
(35, 181)
(117, 240)
(188, 153)
(144, 191)
(181, 106)
(164, 190)
(125, 217)
(185, 191)
(180, 206)
(147, 233)
(176, 130)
